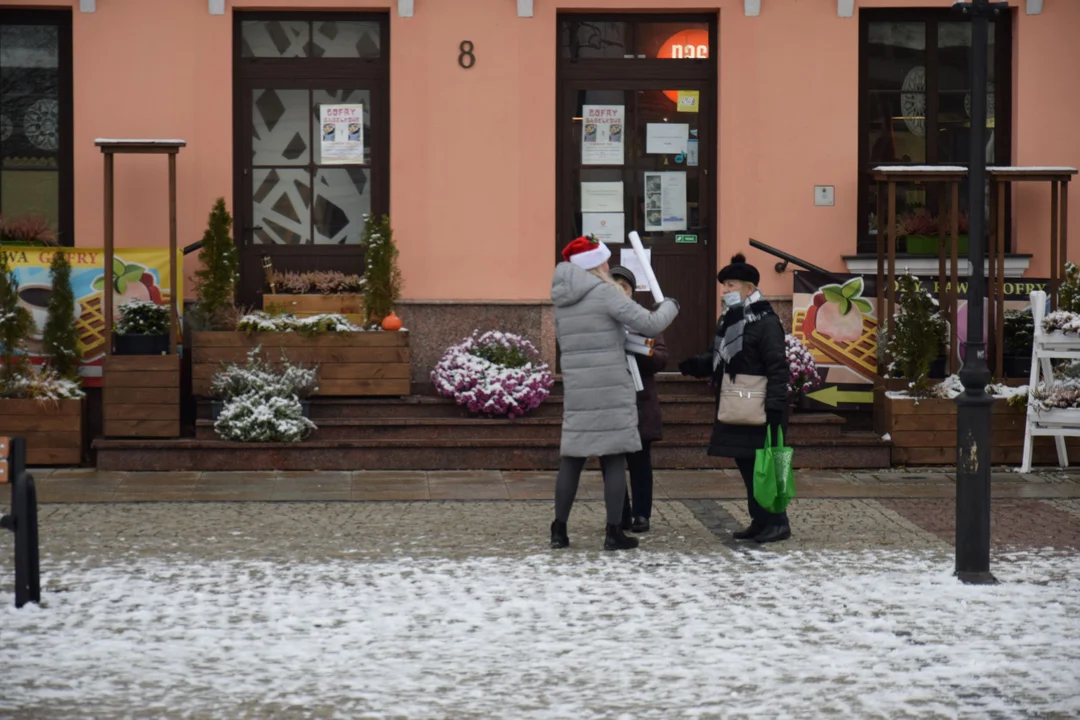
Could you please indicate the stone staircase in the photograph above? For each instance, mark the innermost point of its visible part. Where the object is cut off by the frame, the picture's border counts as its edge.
(423, 432)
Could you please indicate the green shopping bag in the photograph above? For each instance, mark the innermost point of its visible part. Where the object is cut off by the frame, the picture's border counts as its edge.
(774, 476)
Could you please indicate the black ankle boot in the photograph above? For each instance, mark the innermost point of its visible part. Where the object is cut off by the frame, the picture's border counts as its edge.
(640, 525)
(749, 532)
(616, 539)
(559, 538)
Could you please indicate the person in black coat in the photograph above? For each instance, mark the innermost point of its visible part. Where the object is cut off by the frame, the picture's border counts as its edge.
(636, 514)
(749, 341)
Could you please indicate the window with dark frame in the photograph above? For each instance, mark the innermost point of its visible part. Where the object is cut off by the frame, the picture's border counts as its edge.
(298, 197)
(36, 158)
(914, 109)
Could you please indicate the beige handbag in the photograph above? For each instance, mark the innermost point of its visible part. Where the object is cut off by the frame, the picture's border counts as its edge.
(742, 400)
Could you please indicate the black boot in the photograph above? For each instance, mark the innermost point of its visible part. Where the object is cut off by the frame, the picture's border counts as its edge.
(559, 538)
(773, 533)
(640, 525)
(616, 539)
(750, 532)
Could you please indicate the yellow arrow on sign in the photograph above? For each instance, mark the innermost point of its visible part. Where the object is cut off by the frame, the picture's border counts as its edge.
(833, 396)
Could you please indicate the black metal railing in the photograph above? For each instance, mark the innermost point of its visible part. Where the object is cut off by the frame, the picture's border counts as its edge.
(789, 259)
(22, 520)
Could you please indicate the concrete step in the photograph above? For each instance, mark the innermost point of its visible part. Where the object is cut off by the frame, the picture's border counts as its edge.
(862, 451)
(801, 428)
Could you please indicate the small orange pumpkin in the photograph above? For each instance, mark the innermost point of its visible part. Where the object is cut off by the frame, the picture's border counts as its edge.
(391, 323)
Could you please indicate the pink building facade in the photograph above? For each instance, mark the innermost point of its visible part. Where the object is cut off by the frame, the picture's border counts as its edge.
(737, 120)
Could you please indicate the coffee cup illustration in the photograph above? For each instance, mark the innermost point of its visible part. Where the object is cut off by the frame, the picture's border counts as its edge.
(35, 298)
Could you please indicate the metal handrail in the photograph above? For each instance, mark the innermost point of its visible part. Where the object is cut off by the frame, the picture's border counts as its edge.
(789, 259)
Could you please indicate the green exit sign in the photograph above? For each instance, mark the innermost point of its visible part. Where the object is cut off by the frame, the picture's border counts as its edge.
(686, 239)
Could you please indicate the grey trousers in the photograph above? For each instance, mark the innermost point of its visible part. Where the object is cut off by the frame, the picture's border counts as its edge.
(566, 486)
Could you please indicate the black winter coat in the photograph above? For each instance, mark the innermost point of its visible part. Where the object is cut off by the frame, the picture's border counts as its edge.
(764, 353)
(650, 422)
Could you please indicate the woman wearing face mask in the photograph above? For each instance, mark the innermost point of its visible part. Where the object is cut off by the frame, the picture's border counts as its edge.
(749, 341)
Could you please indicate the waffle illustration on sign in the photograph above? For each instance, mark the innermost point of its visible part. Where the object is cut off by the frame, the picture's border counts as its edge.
(91, 327)
(840, 325)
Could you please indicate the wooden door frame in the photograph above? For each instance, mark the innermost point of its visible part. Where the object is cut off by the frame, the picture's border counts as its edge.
(625, 74)
(311, 74)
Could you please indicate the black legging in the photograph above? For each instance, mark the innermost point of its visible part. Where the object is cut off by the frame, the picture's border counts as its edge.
(641, 483)
(566, 485)
(758, 515)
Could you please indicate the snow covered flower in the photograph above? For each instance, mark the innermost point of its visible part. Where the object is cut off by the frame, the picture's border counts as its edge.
(494, 374)
(263, 417)
(803, 375)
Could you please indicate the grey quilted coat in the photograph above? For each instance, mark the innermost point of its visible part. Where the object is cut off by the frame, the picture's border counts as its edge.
(599, 401)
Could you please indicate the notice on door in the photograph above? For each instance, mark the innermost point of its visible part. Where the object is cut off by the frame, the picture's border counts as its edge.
(602, 134)
(342, 134)
(666, 138)
(602, 197)
(665, 201)
(606, 227)
(629, 260)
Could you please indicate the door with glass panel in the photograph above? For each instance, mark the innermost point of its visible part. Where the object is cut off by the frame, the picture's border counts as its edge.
(305, 181)
(637, 149)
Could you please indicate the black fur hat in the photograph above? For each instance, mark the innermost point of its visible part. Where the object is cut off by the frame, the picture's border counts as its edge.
(739, 269)
(620, 272)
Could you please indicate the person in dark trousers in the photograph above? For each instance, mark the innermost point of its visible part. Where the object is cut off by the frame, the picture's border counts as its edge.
(749, 341)
(599, 407)
(636, 513)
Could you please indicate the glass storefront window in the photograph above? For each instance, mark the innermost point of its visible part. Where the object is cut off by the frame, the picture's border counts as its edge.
(34, 95)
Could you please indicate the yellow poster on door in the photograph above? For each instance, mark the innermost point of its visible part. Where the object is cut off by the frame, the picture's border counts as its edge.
(688, 101)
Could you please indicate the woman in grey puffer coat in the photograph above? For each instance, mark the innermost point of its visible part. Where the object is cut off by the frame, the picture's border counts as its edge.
(599, 400)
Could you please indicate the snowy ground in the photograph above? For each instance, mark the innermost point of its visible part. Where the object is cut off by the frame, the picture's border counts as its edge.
(882, 633)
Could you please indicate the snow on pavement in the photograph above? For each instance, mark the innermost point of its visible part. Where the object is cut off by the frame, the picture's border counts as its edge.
(552, 635)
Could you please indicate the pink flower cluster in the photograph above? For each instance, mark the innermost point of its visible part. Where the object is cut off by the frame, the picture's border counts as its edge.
(803, 375)
(511, 383)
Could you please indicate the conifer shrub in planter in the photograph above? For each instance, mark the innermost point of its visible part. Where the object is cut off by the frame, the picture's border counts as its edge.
(215, 281)
(383, 280)
(916, 337)
(39, 404)
(1018, 342)
(142, 329)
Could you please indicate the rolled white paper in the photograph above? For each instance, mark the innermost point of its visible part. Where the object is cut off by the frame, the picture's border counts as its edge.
(639, 251)
(640, 339)
(638, 349)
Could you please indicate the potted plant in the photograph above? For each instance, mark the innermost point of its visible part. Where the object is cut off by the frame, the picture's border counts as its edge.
(260, 377)
(313, 293)
(142, 329)
(920, 230)
(215, 281)
(1018, 342)
(804, 377)
(494, 374)
(40, 405)
(382, 277)
(60, 338)
(28, 230)
(916, 336)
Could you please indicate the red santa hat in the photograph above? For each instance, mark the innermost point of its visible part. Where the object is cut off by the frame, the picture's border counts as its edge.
(586, 252)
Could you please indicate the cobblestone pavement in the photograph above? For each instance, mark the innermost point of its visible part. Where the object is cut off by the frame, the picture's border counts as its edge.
(435, 608)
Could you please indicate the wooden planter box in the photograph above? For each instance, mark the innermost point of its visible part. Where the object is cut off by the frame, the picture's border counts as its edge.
(352, 364)
(351, 305)
(53, 430)
(141, 396)
(925, 433)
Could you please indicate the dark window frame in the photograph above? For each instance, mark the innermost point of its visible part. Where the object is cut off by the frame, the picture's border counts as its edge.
(65, 153)
(1003, 100)
(307, 72)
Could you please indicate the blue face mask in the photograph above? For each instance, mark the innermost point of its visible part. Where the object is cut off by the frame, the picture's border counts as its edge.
(731, 299)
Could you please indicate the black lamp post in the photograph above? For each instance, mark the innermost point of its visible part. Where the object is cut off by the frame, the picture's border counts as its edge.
(974, 432)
